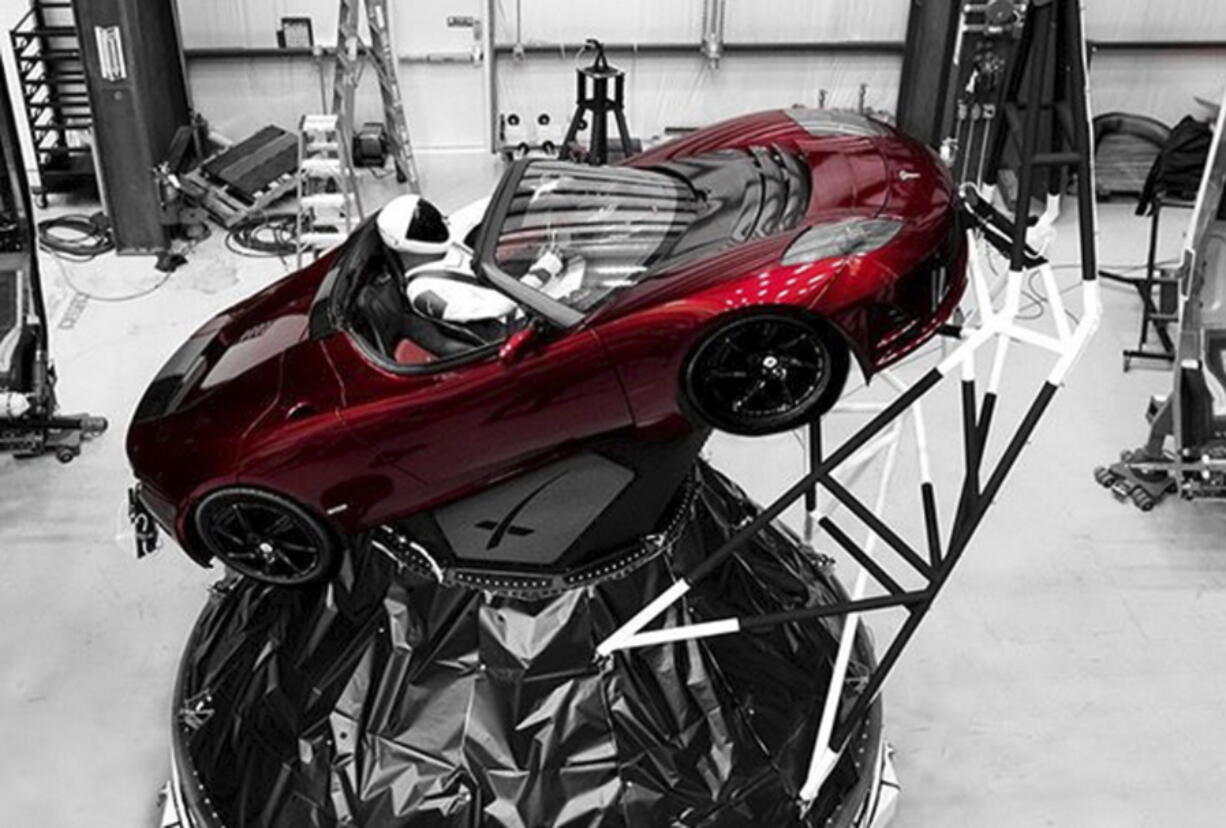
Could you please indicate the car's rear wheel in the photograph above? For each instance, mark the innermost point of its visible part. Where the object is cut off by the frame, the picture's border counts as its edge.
(265, 536)
(765, 372)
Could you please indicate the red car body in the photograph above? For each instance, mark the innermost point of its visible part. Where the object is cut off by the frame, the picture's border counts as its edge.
(315, 419)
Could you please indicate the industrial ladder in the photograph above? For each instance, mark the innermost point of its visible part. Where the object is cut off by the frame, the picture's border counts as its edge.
(328, 198)
(349, 53)
(51, 75)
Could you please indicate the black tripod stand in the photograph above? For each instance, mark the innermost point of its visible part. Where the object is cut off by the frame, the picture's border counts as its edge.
(1158, 290)
(599, 106)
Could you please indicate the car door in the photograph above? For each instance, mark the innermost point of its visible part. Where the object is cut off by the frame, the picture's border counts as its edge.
(461, 427)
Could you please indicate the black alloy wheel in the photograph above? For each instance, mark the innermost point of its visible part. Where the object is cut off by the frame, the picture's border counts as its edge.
(765, 372)
(265, 536)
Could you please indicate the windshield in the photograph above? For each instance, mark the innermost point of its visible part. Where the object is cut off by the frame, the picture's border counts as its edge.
(578, 233)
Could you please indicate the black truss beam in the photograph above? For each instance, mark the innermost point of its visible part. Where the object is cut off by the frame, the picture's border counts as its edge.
(816, 476)
(875, 523)
(1047, 70)
(865, 560)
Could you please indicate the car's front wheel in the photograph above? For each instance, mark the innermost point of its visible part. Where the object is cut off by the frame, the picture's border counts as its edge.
(765, 372)
(265, 536)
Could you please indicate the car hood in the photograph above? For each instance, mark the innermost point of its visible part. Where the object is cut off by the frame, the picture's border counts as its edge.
(241, 344)
(226, 377)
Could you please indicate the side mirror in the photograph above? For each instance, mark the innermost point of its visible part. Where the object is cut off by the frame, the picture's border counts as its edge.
(519, 343)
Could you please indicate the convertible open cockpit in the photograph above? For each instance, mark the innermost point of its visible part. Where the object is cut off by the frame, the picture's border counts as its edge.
(555, 242)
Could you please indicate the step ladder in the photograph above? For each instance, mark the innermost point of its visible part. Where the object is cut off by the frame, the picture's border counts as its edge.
(349, 54)
(328, 202)
(51, 75)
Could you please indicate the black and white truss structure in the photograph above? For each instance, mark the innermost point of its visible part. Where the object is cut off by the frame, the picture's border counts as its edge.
(1045, 84)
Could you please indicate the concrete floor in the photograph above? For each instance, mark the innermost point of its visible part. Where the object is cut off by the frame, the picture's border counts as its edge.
(1070, 675)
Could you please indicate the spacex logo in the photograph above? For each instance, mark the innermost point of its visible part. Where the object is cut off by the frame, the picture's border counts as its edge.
(500, 529)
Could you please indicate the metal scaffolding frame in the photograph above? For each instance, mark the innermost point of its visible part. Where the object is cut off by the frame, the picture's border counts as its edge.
(1054, 41)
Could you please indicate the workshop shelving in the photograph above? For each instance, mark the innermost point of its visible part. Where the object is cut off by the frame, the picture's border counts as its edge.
(52, 79)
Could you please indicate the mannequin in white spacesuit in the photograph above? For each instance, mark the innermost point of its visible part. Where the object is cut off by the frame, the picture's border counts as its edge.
(438, 268)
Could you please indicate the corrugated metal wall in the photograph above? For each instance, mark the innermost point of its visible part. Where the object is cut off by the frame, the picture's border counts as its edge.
(1159, 83)
(680, 90)
(446, 100)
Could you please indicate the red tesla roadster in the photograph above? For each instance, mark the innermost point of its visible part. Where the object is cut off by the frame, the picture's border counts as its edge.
(724, 279)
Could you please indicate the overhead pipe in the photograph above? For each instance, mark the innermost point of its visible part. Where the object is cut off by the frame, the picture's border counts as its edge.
(882, 47)
(666, 49)
(518, 48)
(489, 41)
(713, 31)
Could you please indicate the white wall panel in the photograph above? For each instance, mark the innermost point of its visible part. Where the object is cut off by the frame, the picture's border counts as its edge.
(1156, 19)
(446, 104)
(684, 91)
(226, 23)
(815, 21)
(240, 96)
(420, 26)
(680, 21)
(1162, 84)
(622, 21)
(1163, 87)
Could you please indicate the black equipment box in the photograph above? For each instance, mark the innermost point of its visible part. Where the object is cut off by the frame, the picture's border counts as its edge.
(370, 145)
(250, 166)
(246, 178)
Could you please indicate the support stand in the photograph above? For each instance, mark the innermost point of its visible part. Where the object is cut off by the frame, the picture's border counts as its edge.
(1047, 75)
(597, 104)
(1158, 290)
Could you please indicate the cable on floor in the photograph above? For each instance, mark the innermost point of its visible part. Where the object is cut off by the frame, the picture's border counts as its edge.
(264, 236)
(76, 237)
(95, 297)
(82, 238)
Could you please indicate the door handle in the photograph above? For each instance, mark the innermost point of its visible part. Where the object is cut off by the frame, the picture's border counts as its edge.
(300, 410)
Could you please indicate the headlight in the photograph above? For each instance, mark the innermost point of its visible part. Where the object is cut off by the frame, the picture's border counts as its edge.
(841, 238)
(177, 377)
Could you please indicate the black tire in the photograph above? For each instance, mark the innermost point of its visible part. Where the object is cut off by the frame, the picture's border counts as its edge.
(265, 536)
(764, 372)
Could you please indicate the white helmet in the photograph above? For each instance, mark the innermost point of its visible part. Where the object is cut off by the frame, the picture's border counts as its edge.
(410, 224)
